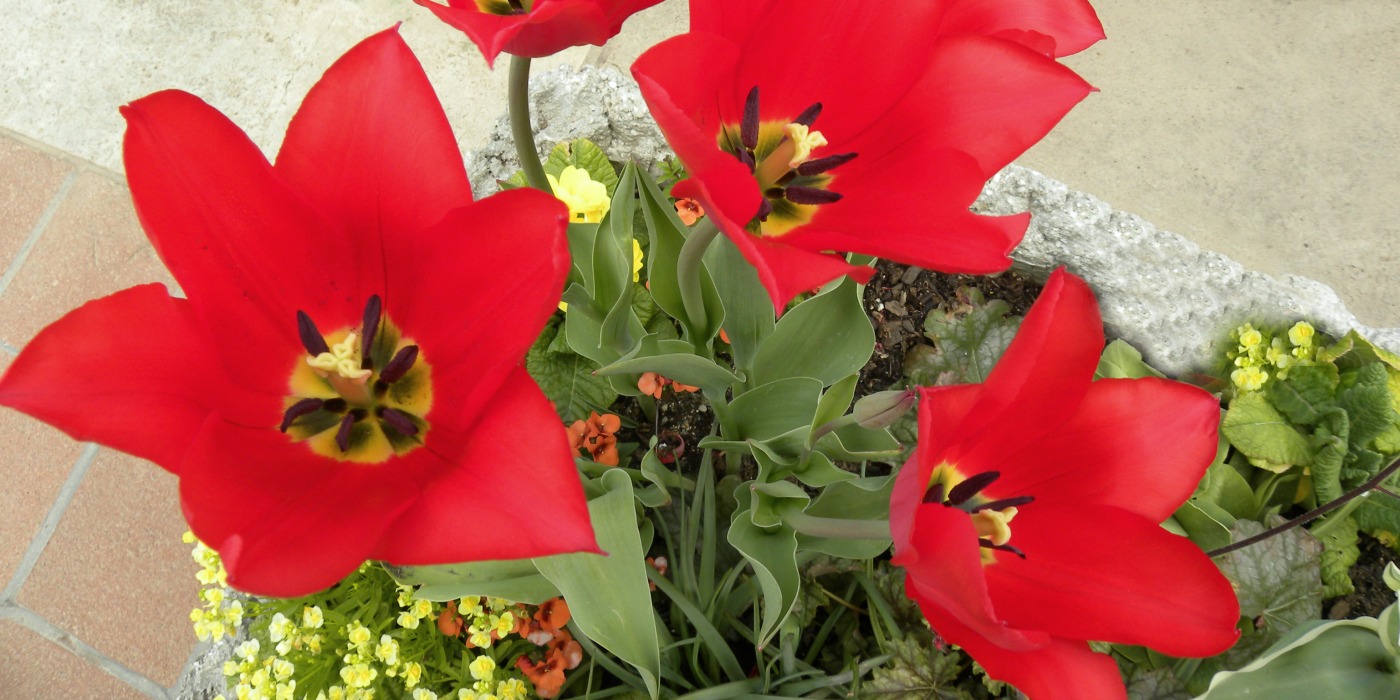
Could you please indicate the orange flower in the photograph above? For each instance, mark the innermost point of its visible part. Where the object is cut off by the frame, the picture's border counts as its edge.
(548, 676)
(660, 564)
(596, 437)
(652, 384)
(449, 622)
(553, 614)
(689, 210)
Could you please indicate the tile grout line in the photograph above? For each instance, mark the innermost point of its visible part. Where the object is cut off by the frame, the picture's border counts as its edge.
(39, 226)
(50, 524)
(48, 630)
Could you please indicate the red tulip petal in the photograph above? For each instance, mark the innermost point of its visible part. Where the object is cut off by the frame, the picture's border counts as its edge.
(287, 521)
(248, 251)
(548, 28)
(990, 98)
(1062, 669)
(941, 410)
(131, 370)
(1039, 382)
(475, 291)
(1139, 444)
(1103, 573)
(944, 566)
(1072, 25)
(512, 493)
(935, 231)
(371, 149)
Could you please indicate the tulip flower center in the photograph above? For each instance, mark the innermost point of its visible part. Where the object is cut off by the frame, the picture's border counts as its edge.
(779, 153)
(360, 395)
(504, 7)
(991, 517)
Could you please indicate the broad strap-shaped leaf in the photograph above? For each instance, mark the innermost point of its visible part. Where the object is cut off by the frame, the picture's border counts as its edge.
(833, 321)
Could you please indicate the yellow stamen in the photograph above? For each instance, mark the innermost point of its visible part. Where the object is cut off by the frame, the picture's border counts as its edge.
(804, 142)
(343, 360)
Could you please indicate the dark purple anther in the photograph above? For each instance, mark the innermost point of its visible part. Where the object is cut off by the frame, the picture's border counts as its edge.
(342, 434)
(765, 208)
(748, 128)
(399, 421)
(809, 115)
(746, 158)
(1003, 504)
(298, 410)
(369, 327)
(1000, 547)
(934, 494)
(970, 487)
(811, 195)
(399, 366)
(821, 165)
(311, 337)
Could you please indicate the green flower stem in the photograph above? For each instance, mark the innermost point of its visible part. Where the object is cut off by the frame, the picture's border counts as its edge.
(518, 97)
(837, 528)
(688, 266)
(1313, 514)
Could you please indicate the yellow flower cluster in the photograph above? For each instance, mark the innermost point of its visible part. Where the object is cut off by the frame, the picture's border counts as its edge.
(260, 677)
(1260, 354)
(218, 616)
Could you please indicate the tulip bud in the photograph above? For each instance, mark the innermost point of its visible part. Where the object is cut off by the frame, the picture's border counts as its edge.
(882, 409)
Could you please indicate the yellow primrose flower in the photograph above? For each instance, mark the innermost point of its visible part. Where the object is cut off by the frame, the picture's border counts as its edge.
(422, 608)
(1301, 334)
(358, 675)
(311, 617)
(407, 620)
(587, 199)
(482, 668)
(1249, 378)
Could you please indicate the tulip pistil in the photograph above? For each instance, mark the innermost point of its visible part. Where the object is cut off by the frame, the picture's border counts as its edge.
(361, 394)
(779, 153)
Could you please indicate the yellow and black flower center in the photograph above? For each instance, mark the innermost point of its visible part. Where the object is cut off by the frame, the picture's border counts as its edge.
(361, 394)
(779, 154)
(991, 518)
(504, 7)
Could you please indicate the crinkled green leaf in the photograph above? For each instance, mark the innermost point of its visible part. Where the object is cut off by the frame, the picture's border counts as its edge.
(1305, 393)
(1367, 403)
(968, 341)
(582, 153)
(1154, 684)
(852, 443)
(857, 499)
(1257, 429)
(1329, 443)
(617, 615)
(1123, 361)
(1339, 540)
(1379, 512)
(827, 337)
(817, 471)
(918, 671)
(567, 378)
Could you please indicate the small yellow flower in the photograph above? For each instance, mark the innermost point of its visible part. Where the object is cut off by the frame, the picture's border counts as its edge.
(233, 613)
(359, 635)
(469, 606)
(1249, 378)
(282, 669)
(1301, 334)
(483, 668)
(285, 690)
(424, 694)
(502, 624)
(311, 617)
(412, 674)
(513, 689)
(358, 675)
(1250, 338)
(248, 650)
(422, 608)
(407, 620)
(280, 628)
(587, 199)
(387, 651)
(636, 261)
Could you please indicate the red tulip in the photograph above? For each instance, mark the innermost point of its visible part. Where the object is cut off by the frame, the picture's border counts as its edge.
(344, 381)
(538, 28)
(864, 127)
(1028, 519)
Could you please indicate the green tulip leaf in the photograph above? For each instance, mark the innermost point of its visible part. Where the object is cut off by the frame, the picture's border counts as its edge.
(748, 314)
(775, 408)
(516, 580)
(773, 557)
(827, 337)
(1321, 659)
(667, 236)
(673, 359)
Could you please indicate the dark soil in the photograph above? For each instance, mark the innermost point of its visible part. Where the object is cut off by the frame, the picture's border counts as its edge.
(1371, 595)
(899, 297)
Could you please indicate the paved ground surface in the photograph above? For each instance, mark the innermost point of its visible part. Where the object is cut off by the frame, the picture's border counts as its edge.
(1264, 129)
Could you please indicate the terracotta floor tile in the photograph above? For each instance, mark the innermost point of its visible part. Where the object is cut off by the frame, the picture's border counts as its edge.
(37, 461)
(36, 669)
(121, 536)
(29, 179)
(92, 247)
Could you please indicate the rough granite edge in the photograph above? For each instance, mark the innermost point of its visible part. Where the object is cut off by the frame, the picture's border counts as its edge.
(1157, 290)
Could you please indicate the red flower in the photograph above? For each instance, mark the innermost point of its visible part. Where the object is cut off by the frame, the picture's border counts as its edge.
(861, 127)
(344, 381)
(1027, 520)
(538, 28)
